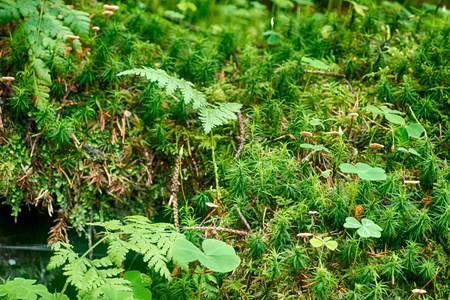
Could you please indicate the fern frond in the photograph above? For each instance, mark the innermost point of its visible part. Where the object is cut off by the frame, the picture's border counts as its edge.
(212, 117)
(8, 11)
(107, 273)
(171, 84)
(91, 280)
(102, 262)
(28, 7)
(117, 250)
(77, 21)
(42, 72)
(60, 257)
(76, 272)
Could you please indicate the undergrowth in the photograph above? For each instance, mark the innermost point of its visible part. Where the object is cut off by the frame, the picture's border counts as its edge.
(291, 129)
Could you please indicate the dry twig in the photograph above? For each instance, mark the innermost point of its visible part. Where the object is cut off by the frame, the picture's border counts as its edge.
(242, 218)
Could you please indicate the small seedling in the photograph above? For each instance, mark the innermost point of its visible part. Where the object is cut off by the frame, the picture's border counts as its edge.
(318, 242)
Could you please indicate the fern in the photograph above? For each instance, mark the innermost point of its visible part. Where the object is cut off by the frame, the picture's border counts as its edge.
(171, 84)
(77, 21)
(91, 277)
(220, 114)
(211, 116)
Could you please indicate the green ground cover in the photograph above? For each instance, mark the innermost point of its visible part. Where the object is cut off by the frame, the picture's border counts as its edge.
(312, 138)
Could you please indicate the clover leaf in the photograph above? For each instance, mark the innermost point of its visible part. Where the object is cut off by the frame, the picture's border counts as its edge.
(364, 171)
(216, 256)
(415, 130)
(366, 228)
(390, 114)
(327, 242)
(314, 147)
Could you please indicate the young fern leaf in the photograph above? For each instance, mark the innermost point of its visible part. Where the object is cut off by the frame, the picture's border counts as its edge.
(218, 115)
(211, 116)
(78, 21)
(171, 84)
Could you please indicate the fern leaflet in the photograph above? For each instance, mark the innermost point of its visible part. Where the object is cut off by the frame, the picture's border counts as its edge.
(210, 116)
(218, 115)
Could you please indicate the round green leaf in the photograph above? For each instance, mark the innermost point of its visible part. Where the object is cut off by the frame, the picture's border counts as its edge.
(364, 171)
(348, 168)
(351, 222)
(316, 243)
(219, 257)
(369, 229)
(332, 245)
(314, 147)
(141, 293)
(395, 119)
(185, 252)
(137, 278)
(415, 130)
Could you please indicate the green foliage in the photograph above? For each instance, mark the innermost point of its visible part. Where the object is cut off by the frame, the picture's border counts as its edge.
(94, 277)
(20, 288)
(79, 139)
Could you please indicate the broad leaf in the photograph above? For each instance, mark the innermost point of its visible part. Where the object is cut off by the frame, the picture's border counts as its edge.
(364, 171)
(137, 278)
(326, 173)
(374, 109)
(410, 150)
(141, 293)
(314, 147)
(351, 222)
(113, 294)
(332, 245)
(367, 228)
(217, 256)
(390, 114)
(315, 64)
(395, 119)
(316, 243)
(415, 130)
(184, 251)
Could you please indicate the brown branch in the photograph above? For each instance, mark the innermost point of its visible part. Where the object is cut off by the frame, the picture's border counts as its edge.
(242, 218)
(239, 232)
